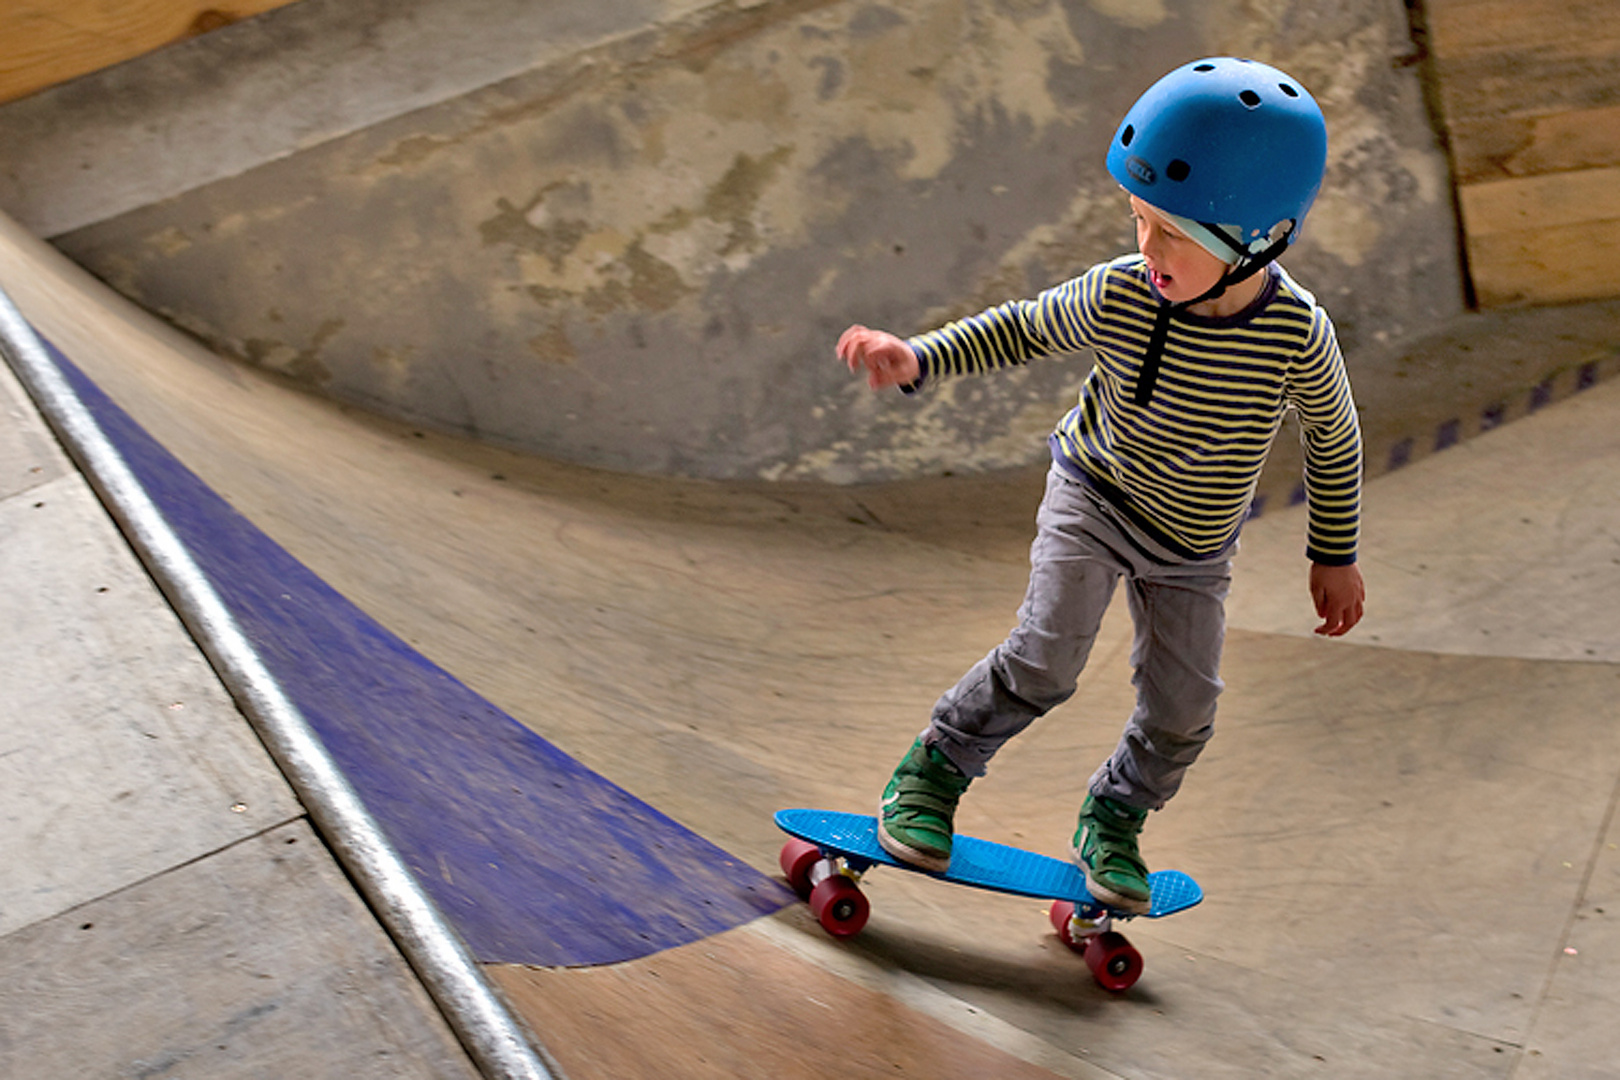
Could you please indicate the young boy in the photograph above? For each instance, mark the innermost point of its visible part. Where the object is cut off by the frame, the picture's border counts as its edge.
(1201, 341)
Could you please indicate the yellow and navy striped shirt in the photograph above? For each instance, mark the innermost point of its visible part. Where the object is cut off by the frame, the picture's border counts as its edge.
(1185, 465)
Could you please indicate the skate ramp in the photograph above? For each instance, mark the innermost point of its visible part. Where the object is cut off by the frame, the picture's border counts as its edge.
(1407, 837)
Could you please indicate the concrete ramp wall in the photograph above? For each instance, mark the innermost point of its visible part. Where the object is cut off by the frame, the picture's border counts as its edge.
(628, 234)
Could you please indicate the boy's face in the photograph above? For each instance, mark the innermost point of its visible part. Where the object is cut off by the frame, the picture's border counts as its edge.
(1182, 269)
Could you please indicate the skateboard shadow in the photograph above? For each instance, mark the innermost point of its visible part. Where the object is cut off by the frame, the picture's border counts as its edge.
(1049, 975)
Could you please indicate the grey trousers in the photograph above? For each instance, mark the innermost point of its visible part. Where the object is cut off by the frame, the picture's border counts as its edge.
(1083, 549)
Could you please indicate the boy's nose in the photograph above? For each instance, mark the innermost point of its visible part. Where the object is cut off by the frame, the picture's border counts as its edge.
(1151, 242)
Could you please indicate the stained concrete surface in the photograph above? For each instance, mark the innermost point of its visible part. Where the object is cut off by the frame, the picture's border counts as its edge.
(1407, 837)
(265, 88)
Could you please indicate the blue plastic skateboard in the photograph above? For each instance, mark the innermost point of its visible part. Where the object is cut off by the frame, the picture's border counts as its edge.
(831, 850)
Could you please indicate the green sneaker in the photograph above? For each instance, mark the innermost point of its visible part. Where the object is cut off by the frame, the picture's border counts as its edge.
(1105, 848)
(919, 806)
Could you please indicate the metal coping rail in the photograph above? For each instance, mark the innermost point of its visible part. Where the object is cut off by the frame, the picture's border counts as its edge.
(498, 1045)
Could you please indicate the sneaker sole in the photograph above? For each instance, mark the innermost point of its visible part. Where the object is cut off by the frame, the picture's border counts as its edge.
(910, 855)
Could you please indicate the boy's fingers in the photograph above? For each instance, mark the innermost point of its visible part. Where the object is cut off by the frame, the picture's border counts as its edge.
(879, 371)
(1327, 611)
(1338, 619)
(887, 360)
(852, 346)
(1352, 618)
(1339, 597)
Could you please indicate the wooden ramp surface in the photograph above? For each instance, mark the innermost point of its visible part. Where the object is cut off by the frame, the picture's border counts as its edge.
(52, 41)
(1530, 92)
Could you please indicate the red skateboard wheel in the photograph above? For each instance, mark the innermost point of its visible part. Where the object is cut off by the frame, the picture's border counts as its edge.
(839, 906)
(797, 857)
(1062, 911)
(1113, 961)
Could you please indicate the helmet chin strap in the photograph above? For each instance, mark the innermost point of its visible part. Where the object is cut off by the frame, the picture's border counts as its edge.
(1241, 271)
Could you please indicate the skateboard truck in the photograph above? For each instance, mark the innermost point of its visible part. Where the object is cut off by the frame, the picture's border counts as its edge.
(1088, 930)
(831, 865)
(1088, 921)
(830, 882)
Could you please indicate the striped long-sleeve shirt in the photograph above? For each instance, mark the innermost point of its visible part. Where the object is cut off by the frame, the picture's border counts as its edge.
(1185, 465)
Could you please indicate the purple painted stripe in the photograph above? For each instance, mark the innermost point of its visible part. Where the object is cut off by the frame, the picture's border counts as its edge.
(533, 858)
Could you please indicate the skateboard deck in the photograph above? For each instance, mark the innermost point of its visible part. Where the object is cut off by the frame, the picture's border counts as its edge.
(983, 864)
(831, 849)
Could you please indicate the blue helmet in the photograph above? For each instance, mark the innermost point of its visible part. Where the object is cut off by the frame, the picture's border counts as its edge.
(1234, 145)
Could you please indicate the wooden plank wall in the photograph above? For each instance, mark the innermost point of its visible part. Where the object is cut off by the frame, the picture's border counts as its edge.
(45, 42)
(1530, 93)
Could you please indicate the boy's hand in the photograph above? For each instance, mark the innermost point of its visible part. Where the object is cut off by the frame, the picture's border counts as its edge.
(888, 360)
(1339, 596)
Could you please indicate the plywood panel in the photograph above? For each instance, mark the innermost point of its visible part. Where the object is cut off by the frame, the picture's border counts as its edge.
(1460, 28)
(1565, 263)
(120, 753)
(256, 961)
(1541, 202)
(51, 41)
(1530, 94)
(1580, 74)
(1502, 147)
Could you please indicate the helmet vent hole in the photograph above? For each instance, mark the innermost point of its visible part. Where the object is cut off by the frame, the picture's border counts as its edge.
(1205, 67)
(1127, 135)
(1289, 90)
(1177, 170)
(1250, 98)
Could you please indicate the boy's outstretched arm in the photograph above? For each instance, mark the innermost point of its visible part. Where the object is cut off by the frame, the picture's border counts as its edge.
(1340, 597)
(887, 360)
